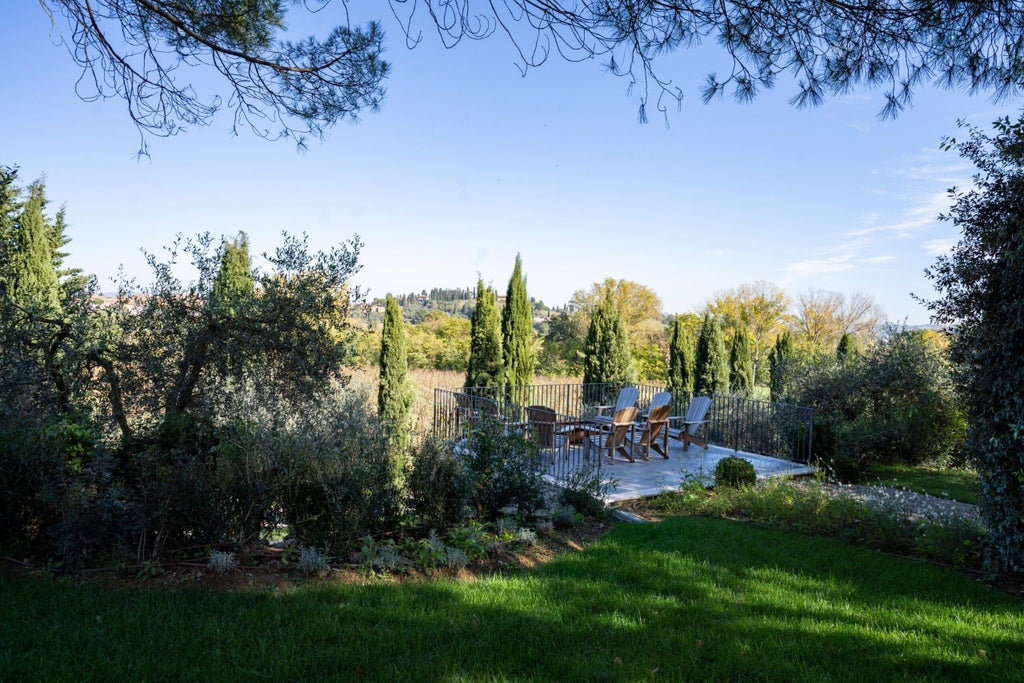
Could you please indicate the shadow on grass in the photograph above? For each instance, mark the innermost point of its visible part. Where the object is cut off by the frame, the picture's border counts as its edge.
(687, 598)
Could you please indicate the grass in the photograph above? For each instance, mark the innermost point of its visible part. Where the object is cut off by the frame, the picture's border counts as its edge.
(684, 599)
(933, 533)
(945, 483)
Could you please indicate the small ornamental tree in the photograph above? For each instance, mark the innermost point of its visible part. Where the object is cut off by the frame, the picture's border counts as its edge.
(680, 359)
(394, 400)
(982, 286)
(783, 350)
(485, 359)
(517, 331)
(712, 360)
(741, 364)
(607, 357)
(234, 286)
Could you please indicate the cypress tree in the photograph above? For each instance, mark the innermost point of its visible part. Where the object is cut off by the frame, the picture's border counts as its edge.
(741, 363)
(517, 330)
(234, 285)
(712, 361)
(680, 359)
(31, 279)
(783, 350)
(394, 400)
(485, 363)
(607, 356)
(848, 349)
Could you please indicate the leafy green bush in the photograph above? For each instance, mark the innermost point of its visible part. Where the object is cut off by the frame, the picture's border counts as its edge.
(438, 486)
(733, 472)
(896, 403)
(338, 478)
(505, 471)
(32, 476)
(584, 490)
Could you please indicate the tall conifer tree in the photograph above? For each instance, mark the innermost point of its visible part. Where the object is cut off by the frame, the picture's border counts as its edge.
(234, 285)
(517, 330)
(31, 279)
(680, 359)
(394, 400)
(848, 349)
(784, 349)
(486, 368)
(741, 363)
(712, 361)
(607, 356)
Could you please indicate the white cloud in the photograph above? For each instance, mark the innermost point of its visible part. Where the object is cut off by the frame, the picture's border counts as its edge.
(938, 247)
(831, 264)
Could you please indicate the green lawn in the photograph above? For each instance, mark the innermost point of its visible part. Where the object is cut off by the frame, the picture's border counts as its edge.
(684, 599)
(956, 484)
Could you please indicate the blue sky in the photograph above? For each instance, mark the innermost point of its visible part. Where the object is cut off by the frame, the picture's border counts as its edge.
(469, 163)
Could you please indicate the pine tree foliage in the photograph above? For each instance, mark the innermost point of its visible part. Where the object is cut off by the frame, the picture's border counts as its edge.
(711, 374)
(394, 398)
(680, 359)
(981, 282)
(486, 368)
(517, 331)
(607, 356)
(741, 364)
(144, 51)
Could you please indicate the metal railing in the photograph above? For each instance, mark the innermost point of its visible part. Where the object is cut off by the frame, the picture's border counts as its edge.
(456, 411)
(779, 430)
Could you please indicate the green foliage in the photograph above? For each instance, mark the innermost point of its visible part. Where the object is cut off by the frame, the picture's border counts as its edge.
(584, 490)
(607, 358)
(779, 357)
(734, 472)
(849, 349)
(561, 353)
(276, 86)
(681, 359)
(27, 273)
(982, 286)
(896, 405)
(505, 471)
(517, 331)
(337, 477)
(741, 364)
(486, 367)
(711, 371)
(394, 397)
(438, 486)
(234, 286)
(439, 342)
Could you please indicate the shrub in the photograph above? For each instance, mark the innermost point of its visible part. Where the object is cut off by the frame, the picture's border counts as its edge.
(584, 490)
(505, 471)
(733, 472)
(895, 404)
(32, 475)
(438, 486)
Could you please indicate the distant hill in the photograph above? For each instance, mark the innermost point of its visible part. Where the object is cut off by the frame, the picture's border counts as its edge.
(458, 302)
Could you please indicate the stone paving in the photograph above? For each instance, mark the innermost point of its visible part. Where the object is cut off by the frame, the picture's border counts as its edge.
(650, 477)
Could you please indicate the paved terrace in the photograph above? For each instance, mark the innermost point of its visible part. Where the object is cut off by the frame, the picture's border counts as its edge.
(651, 477)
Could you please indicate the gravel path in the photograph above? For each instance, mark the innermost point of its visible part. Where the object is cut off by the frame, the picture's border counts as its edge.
(917, 506)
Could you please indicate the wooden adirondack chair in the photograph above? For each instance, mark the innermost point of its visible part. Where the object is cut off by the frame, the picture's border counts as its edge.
(612, 437)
